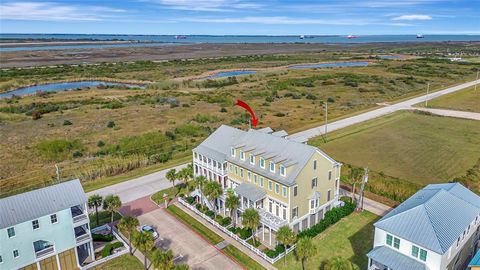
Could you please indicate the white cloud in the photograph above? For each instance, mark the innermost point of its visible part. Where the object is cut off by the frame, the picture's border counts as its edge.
(207, 5)
(412, 17)
(276, 20)
(51, 11)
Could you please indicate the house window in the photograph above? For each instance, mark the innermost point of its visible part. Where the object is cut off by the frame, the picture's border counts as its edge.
(261, 181)
(295, 190)
(315, 164)
(312, 204)
(242, 155)
(415, 250)
(1, 260)
(272, 167)
(262, 163)
(252, 159)
(230, 167)
(15, 253)
(396, 243)
(284, 213)
(329, 175)
(255, 178)
(236, 170)
(329, 192)
(11, 232)
(314, 182)
(53, 218)
(249, 176)
(283, 172)
(389, 240)
(232, 151)
(241, 172)
(284, 191)
(294, 212)
(269, 185)
(423, 255)
(277, 188)
(35, 224)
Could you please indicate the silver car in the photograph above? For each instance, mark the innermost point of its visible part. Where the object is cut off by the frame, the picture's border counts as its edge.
(149, 229)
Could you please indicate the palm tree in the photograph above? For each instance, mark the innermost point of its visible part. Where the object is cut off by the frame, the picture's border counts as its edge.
(162, 260)
(287, 237)
(181, 267)
(144, 242)
(95, 201)
(172, 176)
(213, 190)
(251, 220)
(339, 263)
(355, 175)
(128, 225)
(232, 202)
(305, 249)
(112, 203)
(200, 182)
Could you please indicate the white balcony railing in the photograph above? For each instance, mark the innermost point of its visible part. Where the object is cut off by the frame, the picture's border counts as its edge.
(82, 238)
(79, 218)
(44, 252)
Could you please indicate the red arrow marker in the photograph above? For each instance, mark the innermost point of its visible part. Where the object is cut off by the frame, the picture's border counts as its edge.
(244, 105)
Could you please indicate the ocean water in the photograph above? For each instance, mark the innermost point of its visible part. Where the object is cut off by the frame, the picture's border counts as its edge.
(231, 74)
(192, 39)
(51, 87)
(333, 64)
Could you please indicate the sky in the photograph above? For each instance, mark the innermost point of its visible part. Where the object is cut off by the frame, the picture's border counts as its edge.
(241, 17)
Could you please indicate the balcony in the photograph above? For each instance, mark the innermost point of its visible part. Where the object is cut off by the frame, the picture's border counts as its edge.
(78, 214)
(82, 234)
(82, 238)
(43, 248)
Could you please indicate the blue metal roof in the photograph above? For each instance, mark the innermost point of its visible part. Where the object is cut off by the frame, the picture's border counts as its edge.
(475, 260)
(393, 259)
(434, 217)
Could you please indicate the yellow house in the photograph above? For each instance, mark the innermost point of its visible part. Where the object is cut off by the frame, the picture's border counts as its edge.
(289, 182)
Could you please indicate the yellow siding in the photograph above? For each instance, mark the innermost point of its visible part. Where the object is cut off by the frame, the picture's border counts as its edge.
(49, 263)
(68, 260)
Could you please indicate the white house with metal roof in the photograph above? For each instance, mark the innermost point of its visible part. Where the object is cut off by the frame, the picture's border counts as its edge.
(435, 229)
(47, 228)
(289, 182)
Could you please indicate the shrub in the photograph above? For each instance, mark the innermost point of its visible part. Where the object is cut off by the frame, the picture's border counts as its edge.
(210, 213)
(100, 143)
(113, 105)
(223, 110)
(170, 135)
(102, 238)
(330, 100)
(110, 124)
(279, 114)
(225, 221)
(67, 122)
(77, 154)
(107, 250)
(190, 200)
(36, 115)
(244, 233)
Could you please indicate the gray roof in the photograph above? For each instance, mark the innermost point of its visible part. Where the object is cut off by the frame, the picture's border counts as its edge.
(280, 133)
(37, 203)
(434, 217)
(281, 150)
(250, 191)
(393, 259)
(217, 145)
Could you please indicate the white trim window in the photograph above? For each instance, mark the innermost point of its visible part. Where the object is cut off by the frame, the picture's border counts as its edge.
(261, 181)
(15, 254)
(35, 224)
(1, 260)
(232, 151)
(262, 163)
(270, 185)
(272, 166)
(254, 178)
(277, 188)
(252, 159)
(11, 232)
(249, 176)
(284, 191)
(242, 155)
(53, 218)
(283, 170)
(241, 172)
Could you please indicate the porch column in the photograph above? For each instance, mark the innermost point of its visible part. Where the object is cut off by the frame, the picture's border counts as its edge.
(269, 236)
(58, 261)
(38, 266)
(92, 251)
(241, 198)
(263, 232)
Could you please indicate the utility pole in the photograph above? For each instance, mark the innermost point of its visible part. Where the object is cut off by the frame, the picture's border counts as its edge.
(326, 119)
(362, 190)
(57, 171)
(426, 97)
(475, 91)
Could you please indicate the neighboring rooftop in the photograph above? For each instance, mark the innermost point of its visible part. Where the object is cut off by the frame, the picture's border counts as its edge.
(475, 260)
(394, 259)
(37, 203)
(434, 217)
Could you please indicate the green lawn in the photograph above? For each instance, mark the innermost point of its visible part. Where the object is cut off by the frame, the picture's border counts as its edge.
(411, 146)
(242, 258)
(350, 238)
(179, 189)
(104, 217)
(194, 224)
(465, 100)
(124, 262)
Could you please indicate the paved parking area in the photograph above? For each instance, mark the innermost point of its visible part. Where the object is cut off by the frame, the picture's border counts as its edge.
(194, 250)
(138, 207)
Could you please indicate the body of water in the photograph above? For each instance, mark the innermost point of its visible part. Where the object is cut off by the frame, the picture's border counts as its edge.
(193, 39)
(390, 56)
(231, 74)
(333, 64)
(62, 86)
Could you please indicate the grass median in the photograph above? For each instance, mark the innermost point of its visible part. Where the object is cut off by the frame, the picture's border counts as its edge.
(242, 258)
(124, 262)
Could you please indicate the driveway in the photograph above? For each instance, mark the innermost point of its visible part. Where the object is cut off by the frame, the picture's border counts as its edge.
(194, 250)
(138, 207)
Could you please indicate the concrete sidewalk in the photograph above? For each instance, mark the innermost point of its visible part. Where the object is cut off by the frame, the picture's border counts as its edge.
(370, 205)
(451, 113)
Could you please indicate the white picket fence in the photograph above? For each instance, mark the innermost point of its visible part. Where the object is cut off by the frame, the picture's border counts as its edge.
(234, 236)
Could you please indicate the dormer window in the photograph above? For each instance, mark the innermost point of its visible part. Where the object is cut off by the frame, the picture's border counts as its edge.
(232, 151)
(272, 167)
(242, 155)
(283, 171)
(262, 163)
(252, 159)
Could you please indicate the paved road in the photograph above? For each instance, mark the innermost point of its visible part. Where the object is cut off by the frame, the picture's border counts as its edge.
(451, 113)
(149, 184)
(372, 206)
(192, 249)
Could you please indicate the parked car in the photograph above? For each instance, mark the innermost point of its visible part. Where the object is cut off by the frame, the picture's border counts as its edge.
(149, 229)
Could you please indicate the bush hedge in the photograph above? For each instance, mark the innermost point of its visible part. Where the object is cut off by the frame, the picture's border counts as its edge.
(331, 217)
(279, 249)
(107, 250)
(102, 238)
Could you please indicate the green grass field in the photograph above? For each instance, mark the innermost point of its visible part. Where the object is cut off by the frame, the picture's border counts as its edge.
(242, 258)
(350, 238)
(465, 100)
(104, 217)
(411, 146)
(124, 262)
